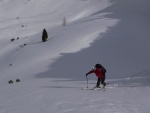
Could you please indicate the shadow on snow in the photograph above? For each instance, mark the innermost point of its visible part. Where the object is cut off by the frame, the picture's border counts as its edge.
(121, 49)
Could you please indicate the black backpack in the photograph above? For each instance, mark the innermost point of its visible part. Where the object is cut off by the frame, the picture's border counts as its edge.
(100, 66)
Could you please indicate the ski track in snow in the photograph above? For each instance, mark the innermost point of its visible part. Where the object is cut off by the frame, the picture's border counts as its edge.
(64, 96)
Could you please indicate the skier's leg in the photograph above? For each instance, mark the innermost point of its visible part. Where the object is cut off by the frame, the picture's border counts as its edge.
(103, 81)
(98, 82)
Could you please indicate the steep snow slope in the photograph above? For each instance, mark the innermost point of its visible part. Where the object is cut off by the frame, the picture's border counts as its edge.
(120, 35)
(123, 48)
(115, 35)
(26, 20)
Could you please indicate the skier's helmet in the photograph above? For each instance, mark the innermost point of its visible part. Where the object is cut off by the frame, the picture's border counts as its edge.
(98, 66)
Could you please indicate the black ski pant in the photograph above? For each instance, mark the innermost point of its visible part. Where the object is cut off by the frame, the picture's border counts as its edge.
(102, 81)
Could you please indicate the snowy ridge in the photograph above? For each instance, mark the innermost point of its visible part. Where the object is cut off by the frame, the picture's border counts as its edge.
(48, 12)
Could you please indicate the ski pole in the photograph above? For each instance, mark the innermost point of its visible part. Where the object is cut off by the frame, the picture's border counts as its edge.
(87, 81)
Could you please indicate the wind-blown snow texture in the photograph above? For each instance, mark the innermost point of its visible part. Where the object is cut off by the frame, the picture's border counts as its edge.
(114, 33)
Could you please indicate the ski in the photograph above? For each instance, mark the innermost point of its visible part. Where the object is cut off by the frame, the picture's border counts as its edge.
(94, 88)
(91, 88)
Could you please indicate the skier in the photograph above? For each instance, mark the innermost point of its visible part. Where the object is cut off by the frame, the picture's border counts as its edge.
(99, 71)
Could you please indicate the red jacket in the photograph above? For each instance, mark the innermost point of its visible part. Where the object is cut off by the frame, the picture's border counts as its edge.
(98, 72)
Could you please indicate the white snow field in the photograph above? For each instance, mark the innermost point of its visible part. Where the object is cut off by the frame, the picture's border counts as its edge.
(114, 33)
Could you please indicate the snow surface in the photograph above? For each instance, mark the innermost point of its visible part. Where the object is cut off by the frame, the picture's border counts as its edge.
(114, 33)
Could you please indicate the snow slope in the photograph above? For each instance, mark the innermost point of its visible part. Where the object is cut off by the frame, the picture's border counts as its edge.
(112, 32)
(31, 31)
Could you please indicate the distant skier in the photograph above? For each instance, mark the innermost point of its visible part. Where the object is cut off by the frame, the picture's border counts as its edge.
(100, 71)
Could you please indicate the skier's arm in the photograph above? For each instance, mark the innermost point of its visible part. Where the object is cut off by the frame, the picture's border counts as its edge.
(92, 71)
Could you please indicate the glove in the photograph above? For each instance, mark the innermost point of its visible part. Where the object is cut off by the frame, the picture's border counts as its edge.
(87, 74)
